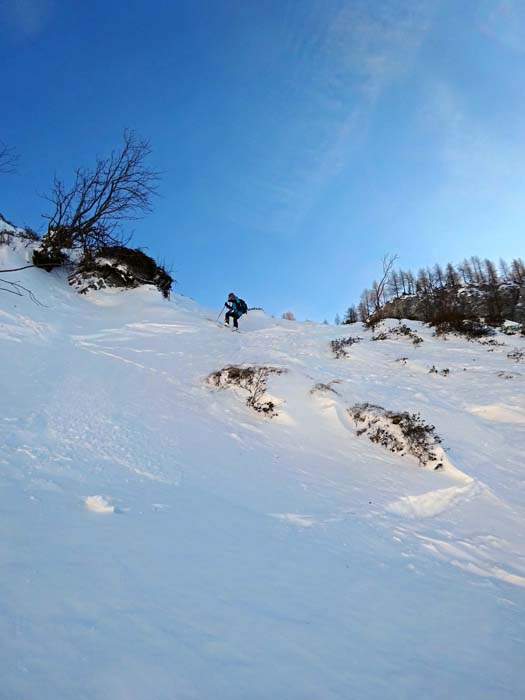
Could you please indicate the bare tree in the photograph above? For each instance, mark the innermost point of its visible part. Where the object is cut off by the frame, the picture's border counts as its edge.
(452, 276)
(477, 270)
(466, 272)
(351, 315)
(89, 214)
(394, 283)
(379, 288)
(8, 159)
(364, 307)
(504, 270)
(288, 316)
(438, 275)
(517, 268)
(423, 284)
(411, 282)
(403, 281)
(491, 273)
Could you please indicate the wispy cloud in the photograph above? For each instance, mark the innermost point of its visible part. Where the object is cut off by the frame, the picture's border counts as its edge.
(26, 18)
(478, 160)
(339, 63)
(504, 21)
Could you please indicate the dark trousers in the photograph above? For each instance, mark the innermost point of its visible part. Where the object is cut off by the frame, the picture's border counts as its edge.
(231, 314)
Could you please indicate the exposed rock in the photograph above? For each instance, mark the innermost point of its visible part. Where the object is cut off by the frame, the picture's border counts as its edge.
(503, 302)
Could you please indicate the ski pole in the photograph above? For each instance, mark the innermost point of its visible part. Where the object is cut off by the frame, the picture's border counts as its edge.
(218, 317)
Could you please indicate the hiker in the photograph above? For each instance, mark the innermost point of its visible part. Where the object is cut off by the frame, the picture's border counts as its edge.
(236, 308)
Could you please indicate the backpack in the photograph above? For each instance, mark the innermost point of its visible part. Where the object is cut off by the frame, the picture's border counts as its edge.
(243, 308)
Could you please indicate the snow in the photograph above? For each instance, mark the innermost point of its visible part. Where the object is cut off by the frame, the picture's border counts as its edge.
(98, 504)
(161, 540)
(432, 503)
(5, 227)
(500, 412)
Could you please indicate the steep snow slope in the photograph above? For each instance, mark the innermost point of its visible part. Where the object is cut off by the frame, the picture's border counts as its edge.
(160, 539)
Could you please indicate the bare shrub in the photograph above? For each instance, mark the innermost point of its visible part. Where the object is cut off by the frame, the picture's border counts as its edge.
(469, 328)
(404, 433)
(490, 341)
(516, 355)
(383, 335)
(340, 345)
(435, 370)
(252, 379)
(506, 375)
(401, 330)
(288, 316)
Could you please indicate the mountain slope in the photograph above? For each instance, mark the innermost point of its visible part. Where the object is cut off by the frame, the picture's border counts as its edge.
(242, 556)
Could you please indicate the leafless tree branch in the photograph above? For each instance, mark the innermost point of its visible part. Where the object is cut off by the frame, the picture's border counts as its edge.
(27, 267)
(89, 214)
(379, 291)
(18, 289)
(8, 159)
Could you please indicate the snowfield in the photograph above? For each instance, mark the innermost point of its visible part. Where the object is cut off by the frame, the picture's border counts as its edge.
(162, 540)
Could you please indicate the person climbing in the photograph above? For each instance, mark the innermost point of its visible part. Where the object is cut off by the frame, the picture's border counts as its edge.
(236, 308)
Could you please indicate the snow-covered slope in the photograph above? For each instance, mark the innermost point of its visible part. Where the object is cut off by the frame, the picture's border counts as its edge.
(162, 540)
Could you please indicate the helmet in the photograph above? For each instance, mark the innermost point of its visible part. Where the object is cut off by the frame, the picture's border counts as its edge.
(231, 295)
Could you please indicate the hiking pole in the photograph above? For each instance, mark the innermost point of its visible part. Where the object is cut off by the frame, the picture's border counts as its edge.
(218, 317)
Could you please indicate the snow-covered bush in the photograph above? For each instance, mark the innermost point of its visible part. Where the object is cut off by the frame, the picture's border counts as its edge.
(401, 330)
(9, 233)
(405, 433)
(252, 379)
(118, 266)
(490, 341)
(340, 345)
(470, 328)
(517, 355)
(513, 329)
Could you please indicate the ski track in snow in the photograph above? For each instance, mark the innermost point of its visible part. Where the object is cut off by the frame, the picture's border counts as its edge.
(242, 540)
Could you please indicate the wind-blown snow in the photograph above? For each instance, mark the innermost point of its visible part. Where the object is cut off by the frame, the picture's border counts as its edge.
(249, 557)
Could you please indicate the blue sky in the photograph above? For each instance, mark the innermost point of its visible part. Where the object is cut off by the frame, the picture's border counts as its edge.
(300, 140)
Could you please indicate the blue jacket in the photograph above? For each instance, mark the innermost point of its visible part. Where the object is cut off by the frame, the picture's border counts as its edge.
(234, 307)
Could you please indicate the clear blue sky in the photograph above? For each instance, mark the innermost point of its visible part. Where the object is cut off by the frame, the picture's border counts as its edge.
(300, 140)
